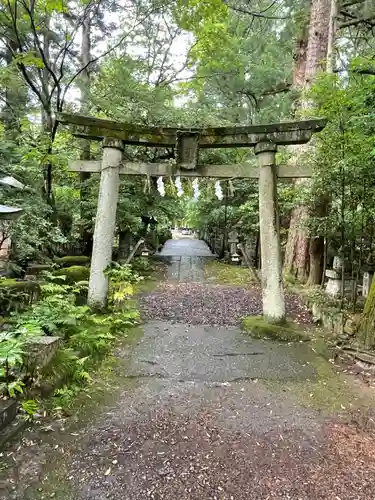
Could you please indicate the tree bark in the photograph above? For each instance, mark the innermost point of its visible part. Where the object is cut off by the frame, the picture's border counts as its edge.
(297, 254)
(297, 247)
(15, 98)
(86, 235)
(366, 331)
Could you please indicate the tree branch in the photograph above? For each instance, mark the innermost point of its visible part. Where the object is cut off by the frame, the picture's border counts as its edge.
(257, 14)
(105, 53)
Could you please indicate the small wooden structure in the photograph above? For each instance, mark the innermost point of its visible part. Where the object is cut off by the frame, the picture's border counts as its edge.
(264, 138)
(8, 214)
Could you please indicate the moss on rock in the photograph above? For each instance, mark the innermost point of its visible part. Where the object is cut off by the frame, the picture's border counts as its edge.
(35, 269)
(257, 327)
(73, 260)
(227, 274)
(74, 274)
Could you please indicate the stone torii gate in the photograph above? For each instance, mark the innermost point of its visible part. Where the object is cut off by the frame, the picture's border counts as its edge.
(264, 139)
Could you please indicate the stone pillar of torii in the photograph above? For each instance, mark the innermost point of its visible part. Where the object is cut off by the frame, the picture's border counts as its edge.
(263, 138)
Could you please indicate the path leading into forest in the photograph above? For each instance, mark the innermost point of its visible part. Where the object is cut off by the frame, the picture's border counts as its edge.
(202, 412)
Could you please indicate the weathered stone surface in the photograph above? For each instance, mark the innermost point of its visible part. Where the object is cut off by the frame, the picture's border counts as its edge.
(8, 412)
(316, 312)
(40, 351)
(105, 223)
(242, 170)
(351, 324)
(298, 132)
(35, 269)
(332, 274)
(269, 226)
(333, 287)
(12, 429)
(367, 280)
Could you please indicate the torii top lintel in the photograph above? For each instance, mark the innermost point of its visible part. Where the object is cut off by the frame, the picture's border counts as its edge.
(284, 133)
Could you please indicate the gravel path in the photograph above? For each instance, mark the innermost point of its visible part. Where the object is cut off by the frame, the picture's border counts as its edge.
(198, 412)
(207, 304)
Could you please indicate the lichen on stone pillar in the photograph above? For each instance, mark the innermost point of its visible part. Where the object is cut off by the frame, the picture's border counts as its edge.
(272, 286)
(105, 222)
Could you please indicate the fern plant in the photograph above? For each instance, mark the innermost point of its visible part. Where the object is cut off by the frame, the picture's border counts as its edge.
(11, 359)
(121, 281)
(30, 408)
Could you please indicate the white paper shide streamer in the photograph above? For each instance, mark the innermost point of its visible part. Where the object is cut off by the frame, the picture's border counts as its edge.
(218, 190)
(161, 187)
(178, 184)
(195, 188)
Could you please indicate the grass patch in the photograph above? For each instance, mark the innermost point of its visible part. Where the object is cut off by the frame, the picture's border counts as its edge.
(226, 274)
(328, 391)
(258, 328)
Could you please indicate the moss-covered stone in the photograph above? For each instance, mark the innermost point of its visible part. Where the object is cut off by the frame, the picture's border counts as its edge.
(26, 285)
(15, 295)
(35, 269)
(73, 260)
(74, 274)
(257, 327)
(366, 330)
(227, 274)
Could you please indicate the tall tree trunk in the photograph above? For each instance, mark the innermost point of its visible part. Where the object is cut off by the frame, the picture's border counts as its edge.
(86, 235)
(15, 97)
(317, 246)
(297, 255)
(48, 124)
(332, 36)
(296, 252)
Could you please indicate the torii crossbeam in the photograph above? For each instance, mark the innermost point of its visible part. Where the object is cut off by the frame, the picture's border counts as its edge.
(264, 138)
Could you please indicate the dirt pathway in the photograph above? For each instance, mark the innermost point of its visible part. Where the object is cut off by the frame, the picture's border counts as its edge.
(202, 412)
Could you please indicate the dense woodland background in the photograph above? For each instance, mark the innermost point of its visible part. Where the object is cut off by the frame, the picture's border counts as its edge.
(182, 63)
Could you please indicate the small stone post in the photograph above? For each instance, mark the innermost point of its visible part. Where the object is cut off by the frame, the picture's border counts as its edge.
(105, 222)
(334, 275)
(368, 276)
(272, 285)
(124, 245)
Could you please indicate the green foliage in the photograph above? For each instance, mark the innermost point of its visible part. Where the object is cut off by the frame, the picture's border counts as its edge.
(86, 337)
(121, 281)
(11, 359)
(31, 408)
(64, 396)
(164, 235)
(142, 266)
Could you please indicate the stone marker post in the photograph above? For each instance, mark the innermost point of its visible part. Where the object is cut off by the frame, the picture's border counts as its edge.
(105, 221)
(233, 241)
(368, 276)
(272, 286)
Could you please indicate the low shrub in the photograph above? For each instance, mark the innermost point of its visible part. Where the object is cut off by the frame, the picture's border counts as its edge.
(164, 235)
(142, 265)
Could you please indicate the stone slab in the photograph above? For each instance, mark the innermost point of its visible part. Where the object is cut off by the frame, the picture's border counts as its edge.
(332, 274)
(8, 412)
(40, 351)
